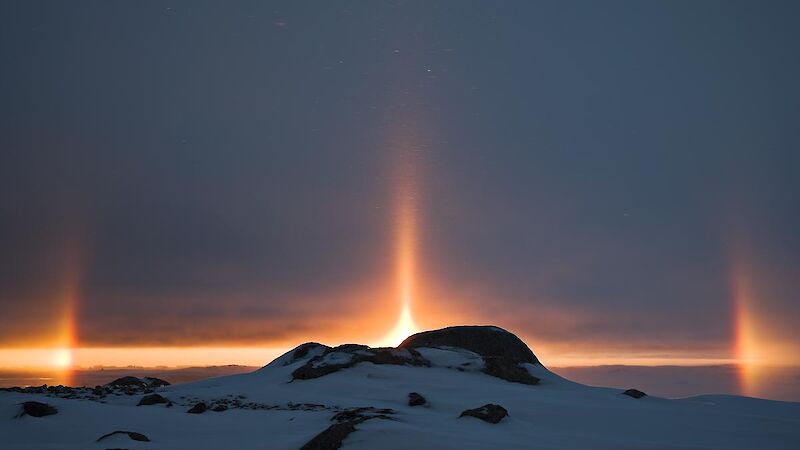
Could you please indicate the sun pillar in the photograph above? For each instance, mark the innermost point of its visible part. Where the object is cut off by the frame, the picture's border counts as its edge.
(746, 345)
(405, 213)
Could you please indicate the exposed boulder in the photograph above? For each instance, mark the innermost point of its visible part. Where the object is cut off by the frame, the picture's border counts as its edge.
(487, 341)
(198, 408)
(635, 393)
(348, 355)
(219, 408)
(362, 414)
(331, 438)
(488, 413)
(508, 370)
(131, 434)
(128, 381)
(415, 399)
(37, 409)
(152, 399)
(138, 383)
(153, 382)
(302, 351)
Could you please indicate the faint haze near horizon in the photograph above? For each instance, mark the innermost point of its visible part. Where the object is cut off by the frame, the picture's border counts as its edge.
(781, 383)
(612, 181)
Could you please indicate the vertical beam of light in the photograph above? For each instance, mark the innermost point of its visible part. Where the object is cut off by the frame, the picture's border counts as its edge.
(405, 228)
(746, 346)
(68, 297)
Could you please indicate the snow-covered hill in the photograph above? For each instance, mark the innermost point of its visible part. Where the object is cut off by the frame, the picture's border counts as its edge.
(316, 396)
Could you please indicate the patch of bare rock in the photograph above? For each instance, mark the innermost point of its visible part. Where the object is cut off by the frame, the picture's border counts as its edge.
(345, 423)
(488, 413)
(133, 435)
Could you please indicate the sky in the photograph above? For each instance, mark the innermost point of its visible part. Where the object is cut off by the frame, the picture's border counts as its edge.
(612, 181)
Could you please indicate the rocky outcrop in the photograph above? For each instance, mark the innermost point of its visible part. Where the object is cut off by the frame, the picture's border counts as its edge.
(508, 370)
(635, 393)
(152, 399)
(488, 413)
(198, 408)
(303, 350)
(153, 382)
(141, 383)
(37, 409)
(487, 341)
(415, 399)
(127, 381)
(348, 355)
(131, 434)
(331, 438)
(502, 352)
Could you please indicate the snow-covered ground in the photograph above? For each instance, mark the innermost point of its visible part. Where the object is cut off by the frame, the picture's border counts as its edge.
(266, 410)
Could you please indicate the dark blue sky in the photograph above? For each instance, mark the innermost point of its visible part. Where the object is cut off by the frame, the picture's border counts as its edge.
(587, 172)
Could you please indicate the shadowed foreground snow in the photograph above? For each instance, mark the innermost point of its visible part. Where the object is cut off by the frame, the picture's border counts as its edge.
(267, 411)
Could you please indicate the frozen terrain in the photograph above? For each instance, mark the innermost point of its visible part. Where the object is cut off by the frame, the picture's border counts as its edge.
(314, 388)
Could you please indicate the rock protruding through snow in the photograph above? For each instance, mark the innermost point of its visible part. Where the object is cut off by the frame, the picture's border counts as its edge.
(198, 408)
(488, 413)
(487, 341)
(141, 383)
(152, 399)
(503, 355)
(635, 393)
(348, 355)
(131, 434)
(331, 438)
(37, 409)
(416, 399)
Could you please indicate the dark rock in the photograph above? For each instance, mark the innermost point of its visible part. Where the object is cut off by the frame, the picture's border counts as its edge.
(331, 438)
(133, 383)
(37, 409)
(348, 348)
(302, 350)
(152, 399)
(220, 408)
(362, 414)
(128, 381)
(318, 367)
(488, 413)
(198, 408)
(487, 341)
(635, 393)
(414, 399)
(154, 382)
(508, 370)
(131, 434)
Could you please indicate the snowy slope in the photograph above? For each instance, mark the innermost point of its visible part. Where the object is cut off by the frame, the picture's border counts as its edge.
(267, 410)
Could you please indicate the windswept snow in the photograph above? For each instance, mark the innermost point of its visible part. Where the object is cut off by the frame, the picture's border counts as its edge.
(266, 410)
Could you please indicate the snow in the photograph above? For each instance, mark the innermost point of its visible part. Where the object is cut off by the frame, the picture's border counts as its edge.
(555, 414)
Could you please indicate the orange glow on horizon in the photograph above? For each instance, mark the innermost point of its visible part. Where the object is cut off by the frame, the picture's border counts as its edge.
(62, 360)
(404, 328)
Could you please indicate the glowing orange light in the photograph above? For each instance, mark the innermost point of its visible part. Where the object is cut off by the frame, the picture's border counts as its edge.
(69, 295)
(405, 230)
(62, 358)
(745, 345)
(404, 327)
